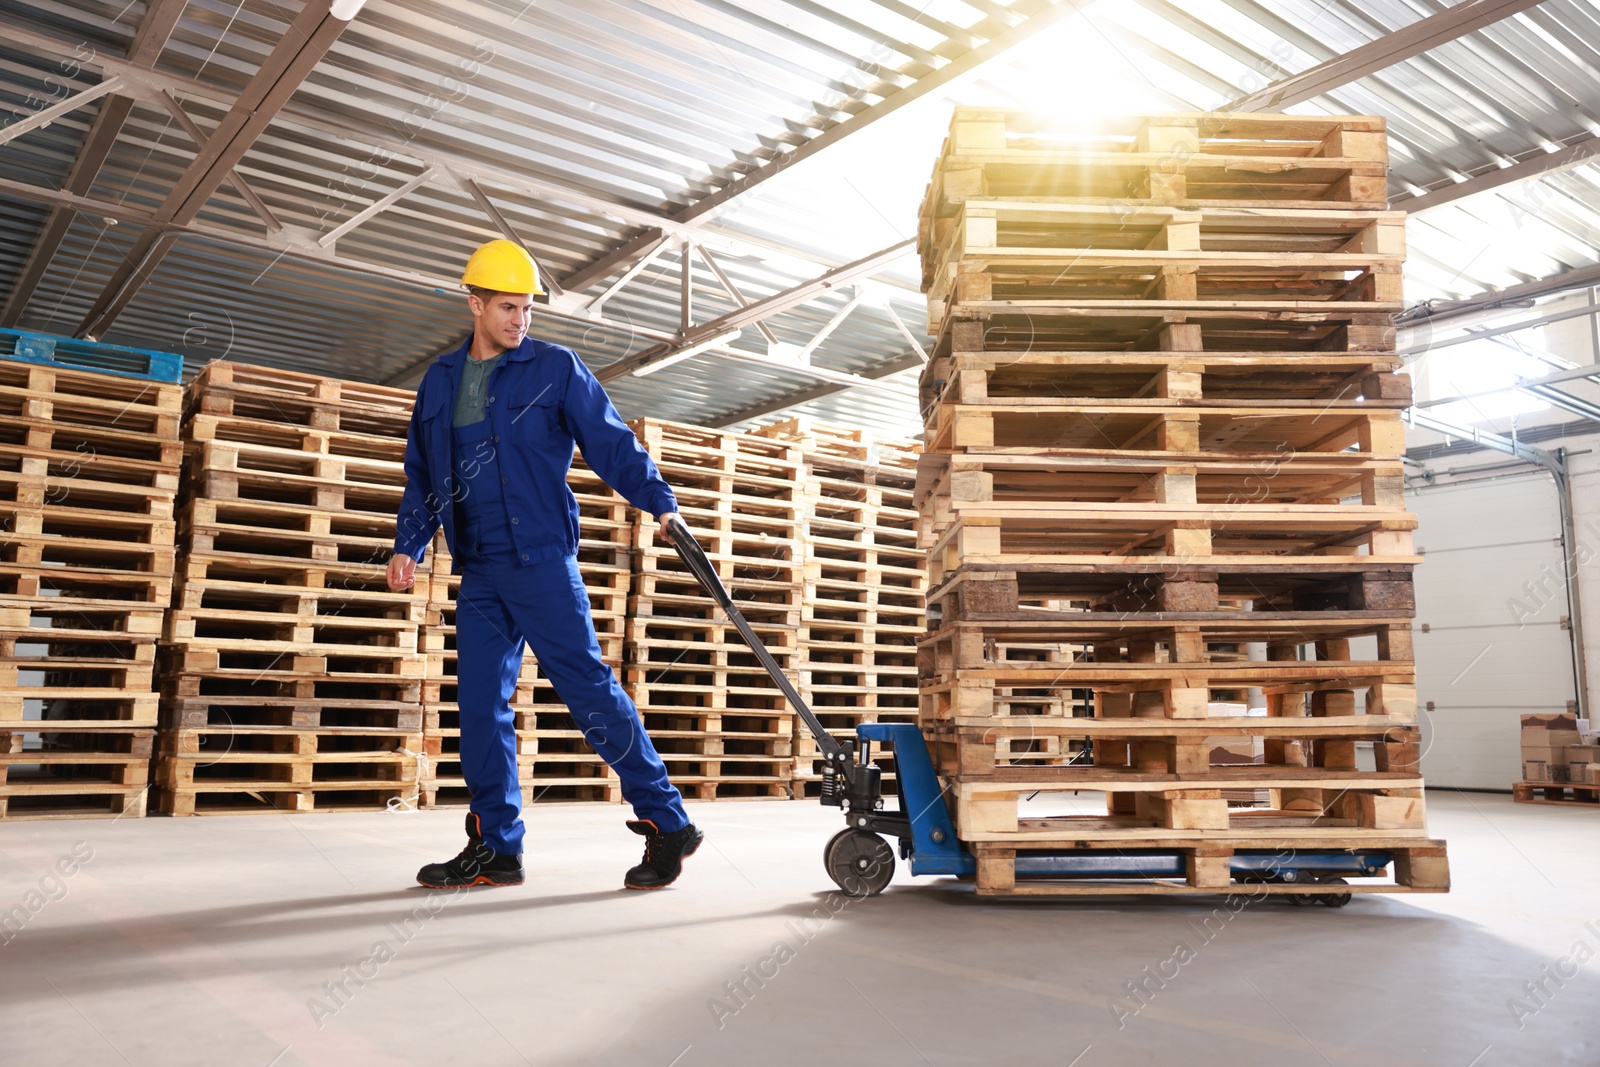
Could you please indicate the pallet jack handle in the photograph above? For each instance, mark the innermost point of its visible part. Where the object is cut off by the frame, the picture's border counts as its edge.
(694, 557)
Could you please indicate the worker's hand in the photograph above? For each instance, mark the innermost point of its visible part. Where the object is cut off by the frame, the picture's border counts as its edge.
(666, 524)
(402, 572)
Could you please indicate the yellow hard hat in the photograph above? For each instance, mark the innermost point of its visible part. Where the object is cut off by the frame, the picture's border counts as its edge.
(502, 267)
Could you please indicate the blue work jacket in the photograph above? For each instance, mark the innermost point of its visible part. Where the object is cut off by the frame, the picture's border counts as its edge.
(541, 399)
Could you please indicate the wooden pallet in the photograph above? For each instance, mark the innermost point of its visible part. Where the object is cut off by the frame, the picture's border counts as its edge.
(51, 613)
(1419, 867)
(81, 801)
(987, 745)
(202, 428)
(135, 418)
(47, 771)
(315, 485)
(1192, 161)
(1106, 238)
(987, 374)
(1069, 532)
(1171, 325)
(1573, 794)
(327, 624)
(826, 446)
(68, 494)
(1163, 424)
(305, 400)
(396, 678)
(208, 745)
(1178, 688)
(698, 457)
(80, 707)
(215, 576)
(256, 779)
(676, 686)
(265, 796)
(252, 711)
(981, 593)
(978, 264)
(862, 597)
(285, 531)
(1103, 476)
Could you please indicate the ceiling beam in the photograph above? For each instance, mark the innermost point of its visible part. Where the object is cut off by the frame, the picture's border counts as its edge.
(376, 207)
(1045, 15)
(45, 116)
(1408, 42)
(1540, 165)
(235, 179)
(1426, 315)
(146, 81)
(148, 43)
(287, 246)
(755, 312)
(1501, 331)
(302, 46)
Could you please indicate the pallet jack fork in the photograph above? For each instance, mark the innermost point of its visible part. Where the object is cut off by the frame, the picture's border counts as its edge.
(861, 863)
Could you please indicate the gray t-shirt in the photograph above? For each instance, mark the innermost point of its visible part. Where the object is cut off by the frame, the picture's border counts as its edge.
(472, 390)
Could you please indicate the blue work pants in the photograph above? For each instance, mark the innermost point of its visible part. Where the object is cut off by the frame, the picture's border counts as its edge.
(501, 605)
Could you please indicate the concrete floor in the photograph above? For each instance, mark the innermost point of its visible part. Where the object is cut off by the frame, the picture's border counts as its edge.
(214, 941)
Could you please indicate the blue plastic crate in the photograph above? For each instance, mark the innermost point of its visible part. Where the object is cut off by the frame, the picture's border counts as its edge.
(70, 353)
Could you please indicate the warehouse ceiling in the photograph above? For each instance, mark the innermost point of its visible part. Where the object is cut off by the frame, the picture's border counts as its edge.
(271, 182)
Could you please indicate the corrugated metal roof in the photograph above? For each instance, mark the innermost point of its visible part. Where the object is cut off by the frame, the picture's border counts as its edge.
(584, 121)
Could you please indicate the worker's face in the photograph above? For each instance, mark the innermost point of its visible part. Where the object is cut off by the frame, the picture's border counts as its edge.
(502, 319)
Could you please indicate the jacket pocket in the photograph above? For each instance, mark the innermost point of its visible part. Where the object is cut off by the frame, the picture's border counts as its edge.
(533, 416)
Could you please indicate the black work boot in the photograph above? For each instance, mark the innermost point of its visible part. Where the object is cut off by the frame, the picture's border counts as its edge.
(663, 854)
(478, 864)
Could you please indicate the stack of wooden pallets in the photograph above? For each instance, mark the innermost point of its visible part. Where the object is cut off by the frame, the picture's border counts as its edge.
(89, 468)
(291, 674)
(1163, 464)
(862, 601)
(720, 723)
(554, 761)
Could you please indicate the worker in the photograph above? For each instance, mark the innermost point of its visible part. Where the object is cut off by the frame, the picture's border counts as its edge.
(487, 456)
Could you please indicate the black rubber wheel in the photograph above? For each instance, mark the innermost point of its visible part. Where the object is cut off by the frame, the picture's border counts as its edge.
(1334, 900)
(1328, 900)
(860, 863)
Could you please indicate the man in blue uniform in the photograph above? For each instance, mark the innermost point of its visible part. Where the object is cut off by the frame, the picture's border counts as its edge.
(487, 458)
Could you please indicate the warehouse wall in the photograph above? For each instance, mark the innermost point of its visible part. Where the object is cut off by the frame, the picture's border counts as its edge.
(1490, 642)
(1492, 594)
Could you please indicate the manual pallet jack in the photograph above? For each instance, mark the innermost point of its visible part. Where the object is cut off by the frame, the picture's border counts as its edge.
(861, 863)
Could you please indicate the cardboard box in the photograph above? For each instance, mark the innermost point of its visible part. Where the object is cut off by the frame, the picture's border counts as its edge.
(1583, 754)
(1594, 774)
(1553, 755)
(1534, 770)
(1550, 731)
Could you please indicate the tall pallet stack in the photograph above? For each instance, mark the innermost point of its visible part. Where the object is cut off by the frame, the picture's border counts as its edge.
(721, 725)
(89, 468)
(1163, 444)
(292, 679)
(553, 759)
(862, 601)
